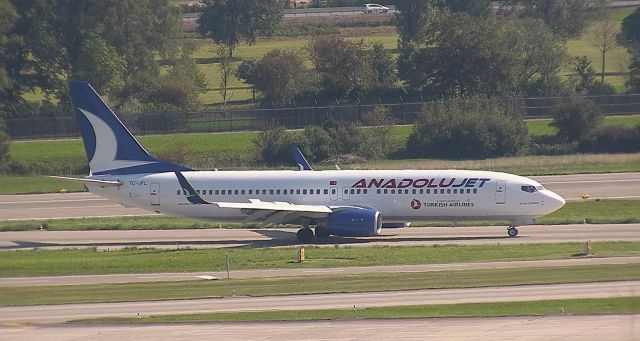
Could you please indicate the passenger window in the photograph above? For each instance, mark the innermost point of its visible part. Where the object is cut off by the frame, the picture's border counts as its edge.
(442, 191)
(333, 191)
(297, 191)
(414, 191)
(364, 191)
(235, 192)
(242, 192)
(326, 191)
(224, 192)
(358, 191)
(428, 191)
(264, 192)
(179, 191)
(378, 191)
(217, 192)
(270, 192)
(421, 191)
(277, 191)
(386, 191)
(317, 191)
(284, 192)
(475, 190)
(393, 191)
(250, 191)
(448, 191)
(304, 192)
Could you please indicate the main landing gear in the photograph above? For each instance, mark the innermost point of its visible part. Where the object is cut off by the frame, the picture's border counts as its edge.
(305, 235)
(512, 231)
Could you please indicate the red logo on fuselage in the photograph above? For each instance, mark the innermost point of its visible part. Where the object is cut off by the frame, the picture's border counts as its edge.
(416, 204)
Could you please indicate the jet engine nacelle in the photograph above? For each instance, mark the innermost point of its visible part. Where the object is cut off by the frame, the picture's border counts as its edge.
(355, 222)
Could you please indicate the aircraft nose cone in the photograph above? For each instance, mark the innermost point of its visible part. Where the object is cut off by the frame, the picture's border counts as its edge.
(554, 201)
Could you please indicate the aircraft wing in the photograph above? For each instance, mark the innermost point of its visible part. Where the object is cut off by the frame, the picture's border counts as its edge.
(276, 212)
(262, 211)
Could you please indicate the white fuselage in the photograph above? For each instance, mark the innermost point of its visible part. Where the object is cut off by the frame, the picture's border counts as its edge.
(399, 195)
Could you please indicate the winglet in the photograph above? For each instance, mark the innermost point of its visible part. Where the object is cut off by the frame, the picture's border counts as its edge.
(302, 162)
(193, 196)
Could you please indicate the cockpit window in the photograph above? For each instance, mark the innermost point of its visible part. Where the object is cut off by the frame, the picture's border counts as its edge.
(529, 189)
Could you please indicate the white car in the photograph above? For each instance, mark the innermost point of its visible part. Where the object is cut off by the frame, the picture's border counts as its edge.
(374, 8)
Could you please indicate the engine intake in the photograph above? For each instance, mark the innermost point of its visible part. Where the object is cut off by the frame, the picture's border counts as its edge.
(355, 222)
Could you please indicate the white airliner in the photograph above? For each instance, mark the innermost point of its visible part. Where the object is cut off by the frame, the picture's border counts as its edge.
(348, 203)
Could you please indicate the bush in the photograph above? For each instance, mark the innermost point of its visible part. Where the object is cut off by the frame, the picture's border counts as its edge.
(273, 145)
(471, 128)
(612, 139)
(575, 117)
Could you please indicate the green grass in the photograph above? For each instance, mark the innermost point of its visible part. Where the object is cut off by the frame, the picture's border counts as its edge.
(591, 306)
(133, 260)
(543, 126)
(522, 165)
(314, 284)
(594, 212)
(36, 184)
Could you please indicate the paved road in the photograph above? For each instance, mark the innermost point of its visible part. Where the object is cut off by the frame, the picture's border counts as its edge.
(198, 276)
(215, 238)
(559, 327)
(70, 205)
(65, 312)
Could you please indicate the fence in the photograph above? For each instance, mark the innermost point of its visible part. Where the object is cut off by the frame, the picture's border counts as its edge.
(21, 126)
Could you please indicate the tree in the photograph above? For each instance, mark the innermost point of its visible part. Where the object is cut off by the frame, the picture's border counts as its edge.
(584, 74)
(344, 66)
(231, 22)
(464, 55)
(412, 18)
(575, 118)
(55, 40)
(630, 38)
(479, 8)
(468, 128)
(281, 76)
(8, 17)
(602, 35)
(567, 18)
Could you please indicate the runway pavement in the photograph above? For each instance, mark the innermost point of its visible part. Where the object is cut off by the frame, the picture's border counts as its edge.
(239, 274)
(65, 312)
(218, 238)
(559, 327)
(74, 205)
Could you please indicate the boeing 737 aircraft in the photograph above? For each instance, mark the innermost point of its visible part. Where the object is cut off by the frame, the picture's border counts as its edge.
(348, 203)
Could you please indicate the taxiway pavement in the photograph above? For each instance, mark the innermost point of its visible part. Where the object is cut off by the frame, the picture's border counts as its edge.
(272, 237)
(65, 312)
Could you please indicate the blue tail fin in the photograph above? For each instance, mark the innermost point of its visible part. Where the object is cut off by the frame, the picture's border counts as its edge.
(302, 162)
(110, 147)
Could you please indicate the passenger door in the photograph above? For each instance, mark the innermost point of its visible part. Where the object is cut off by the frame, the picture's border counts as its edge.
(154, 194)
(501, 192)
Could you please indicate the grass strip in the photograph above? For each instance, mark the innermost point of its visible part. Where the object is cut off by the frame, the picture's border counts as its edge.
(593, 212)
(314, 284)
(616, 305)
(133, 260)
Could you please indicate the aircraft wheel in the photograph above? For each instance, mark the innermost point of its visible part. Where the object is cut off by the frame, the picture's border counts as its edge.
(322, 232)
(304, 235)
(512, 231)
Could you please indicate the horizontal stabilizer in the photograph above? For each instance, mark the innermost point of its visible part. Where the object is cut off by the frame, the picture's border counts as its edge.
(103, 183)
